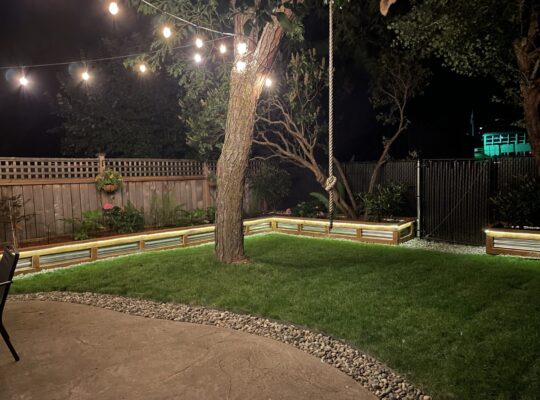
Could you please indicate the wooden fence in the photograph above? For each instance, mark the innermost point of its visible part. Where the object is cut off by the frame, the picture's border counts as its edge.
(54, 190)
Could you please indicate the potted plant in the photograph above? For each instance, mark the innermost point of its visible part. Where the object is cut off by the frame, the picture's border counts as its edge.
(109, 181)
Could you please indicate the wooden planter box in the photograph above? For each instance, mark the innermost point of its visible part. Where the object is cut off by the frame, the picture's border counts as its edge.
(58, 255)
(516, 242)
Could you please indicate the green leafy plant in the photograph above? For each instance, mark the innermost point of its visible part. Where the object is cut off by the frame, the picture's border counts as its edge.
(385, 202)
(89, 223)
(518, 205)
(200, 216)
(270, 184)
(109, 177)
(124, 220)
(164, 212)
(309, 209)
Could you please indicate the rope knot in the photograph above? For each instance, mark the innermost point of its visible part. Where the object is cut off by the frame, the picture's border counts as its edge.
(330, 183)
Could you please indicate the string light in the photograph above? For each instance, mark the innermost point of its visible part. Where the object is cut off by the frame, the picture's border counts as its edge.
(85, 76)
(241, 66)
(197, 57)
(167, 33)
(113, 8)
(142, 68)
(222, 49)
(199, 43)
(268, 82)
(23, 81)
(242, 48)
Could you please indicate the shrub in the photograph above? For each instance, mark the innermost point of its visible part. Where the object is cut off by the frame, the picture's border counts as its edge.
(89, 223)
(125, 220)
(270, 184)
(386, 202)
(164, 212)
(518, 205)
(201, 216)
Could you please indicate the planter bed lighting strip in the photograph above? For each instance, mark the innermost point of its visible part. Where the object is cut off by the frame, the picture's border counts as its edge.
(515, 242)
(34, 259)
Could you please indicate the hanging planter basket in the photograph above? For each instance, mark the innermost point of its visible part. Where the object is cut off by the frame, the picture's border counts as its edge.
(110, 188)
(109, 181)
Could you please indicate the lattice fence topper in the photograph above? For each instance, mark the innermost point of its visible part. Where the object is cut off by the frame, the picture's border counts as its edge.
(48, 168)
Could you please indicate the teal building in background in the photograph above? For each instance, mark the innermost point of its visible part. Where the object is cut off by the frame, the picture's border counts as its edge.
(503, 143)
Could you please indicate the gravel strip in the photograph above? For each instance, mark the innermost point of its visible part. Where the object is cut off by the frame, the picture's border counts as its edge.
(443, 247)
(370, 373)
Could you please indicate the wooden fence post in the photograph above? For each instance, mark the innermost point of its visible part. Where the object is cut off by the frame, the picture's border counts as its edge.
(101, 163)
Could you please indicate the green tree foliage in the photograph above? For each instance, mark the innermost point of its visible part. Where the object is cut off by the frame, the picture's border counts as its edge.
(120, 112)
(495, 38)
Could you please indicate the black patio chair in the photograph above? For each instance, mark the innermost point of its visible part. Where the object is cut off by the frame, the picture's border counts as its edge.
(7, 269)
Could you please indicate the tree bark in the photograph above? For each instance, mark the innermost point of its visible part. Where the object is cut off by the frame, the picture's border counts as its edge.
(528, 61)
(245, 90)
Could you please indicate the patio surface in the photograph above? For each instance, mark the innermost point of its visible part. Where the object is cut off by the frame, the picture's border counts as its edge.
(72, 351)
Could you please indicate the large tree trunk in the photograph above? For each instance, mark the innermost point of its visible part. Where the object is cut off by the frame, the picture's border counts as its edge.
(232, 166)
(245, 90)
(528, 60)
(531, 108)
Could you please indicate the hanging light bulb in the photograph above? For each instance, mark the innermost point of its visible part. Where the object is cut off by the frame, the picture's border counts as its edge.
(113, 8)
(142, 68)
(268, 82)
(242, 48)
(85, 76)
(222, 49)
(23, 81)
(241, 66)
(167, 33)
(197, 57)
(199, 43)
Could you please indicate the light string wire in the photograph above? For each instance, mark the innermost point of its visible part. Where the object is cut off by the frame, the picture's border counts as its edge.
(94, 60)
(185, 21)
(225, 35)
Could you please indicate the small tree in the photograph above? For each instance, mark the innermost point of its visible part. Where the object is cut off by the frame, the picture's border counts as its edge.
(396, 79)
(11, 214)
(291, 125)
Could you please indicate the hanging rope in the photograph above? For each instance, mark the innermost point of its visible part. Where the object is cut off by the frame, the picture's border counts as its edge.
(331, 181)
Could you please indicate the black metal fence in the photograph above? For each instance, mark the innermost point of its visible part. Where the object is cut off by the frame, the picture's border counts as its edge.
(454, 194)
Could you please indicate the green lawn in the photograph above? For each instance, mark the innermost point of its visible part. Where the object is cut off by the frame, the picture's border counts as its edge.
(459, 326)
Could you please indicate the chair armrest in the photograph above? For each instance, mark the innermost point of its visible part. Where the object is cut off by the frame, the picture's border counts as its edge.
(5, 283)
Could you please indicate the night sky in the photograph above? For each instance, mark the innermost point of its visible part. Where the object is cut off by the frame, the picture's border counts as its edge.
(37, 31)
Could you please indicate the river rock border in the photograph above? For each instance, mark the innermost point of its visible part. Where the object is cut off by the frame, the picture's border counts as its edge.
(370, 373)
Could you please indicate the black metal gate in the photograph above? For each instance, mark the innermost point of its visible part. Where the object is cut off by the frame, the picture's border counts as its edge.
(455, 195)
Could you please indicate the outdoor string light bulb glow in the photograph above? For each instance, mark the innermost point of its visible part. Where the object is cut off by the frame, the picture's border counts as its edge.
(85, 76)
(142, 68)
(242, 48)
(241, 66)
(23, 81)
(113, 8)
(167, 33)
(222, 49)
(268, 82)
(199, 43)
(197, 57)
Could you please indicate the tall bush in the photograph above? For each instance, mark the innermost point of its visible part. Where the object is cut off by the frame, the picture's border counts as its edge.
(518, 205)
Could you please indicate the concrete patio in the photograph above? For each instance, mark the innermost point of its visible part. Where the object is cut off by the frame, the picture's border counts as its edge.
(71, 351)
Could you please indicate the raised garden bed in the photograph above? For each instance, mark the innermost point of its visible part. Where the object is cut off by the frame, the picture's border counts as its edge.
(36, 258)
(516, 242)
